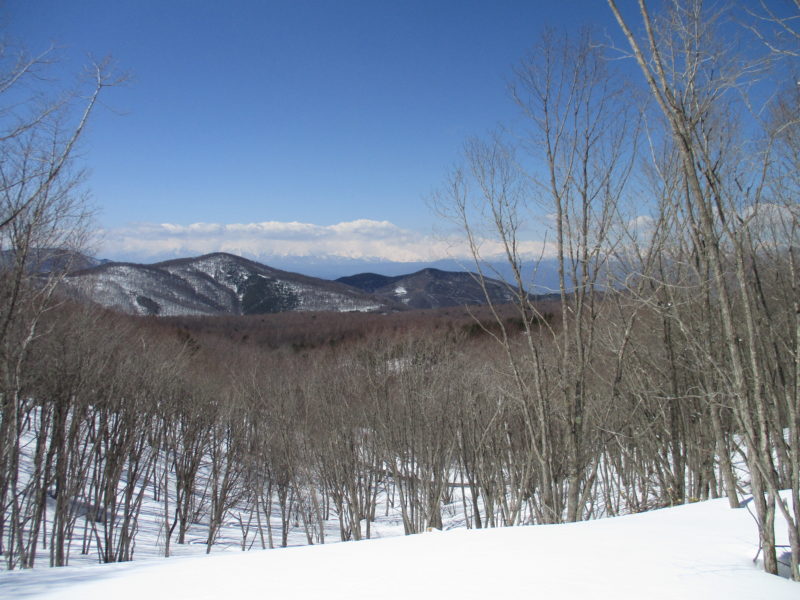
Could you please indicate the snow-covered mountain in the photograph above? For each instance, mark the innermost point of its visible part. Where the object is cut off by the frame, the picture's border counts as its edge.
(432, 288)
(222, 283)
(216, 283)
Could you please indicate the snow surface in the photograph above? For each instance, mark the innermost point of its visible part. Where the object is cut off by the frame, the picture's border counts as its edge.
(701, 550)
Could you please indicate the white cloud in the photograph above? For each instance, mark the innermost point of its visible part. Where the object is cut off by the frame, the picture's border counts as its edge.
(642, 223)
(359, 239)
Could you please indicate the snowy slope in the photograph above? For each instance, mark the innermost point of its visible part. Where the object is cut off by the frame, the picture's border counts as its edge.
(212, 284)
(701, 551)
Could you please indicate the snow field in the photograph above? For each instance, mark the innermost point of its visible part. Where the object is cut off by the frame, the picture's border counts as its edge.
(697, 551)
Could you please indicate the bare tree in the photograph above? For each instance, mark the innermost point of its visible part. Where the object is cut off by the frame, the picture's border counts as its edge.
(41, 208)
(697, 84)
(577, 157)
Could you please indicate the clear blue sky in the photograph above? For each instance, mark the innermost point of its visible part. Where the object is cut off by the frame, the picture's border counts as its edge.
(319, 112)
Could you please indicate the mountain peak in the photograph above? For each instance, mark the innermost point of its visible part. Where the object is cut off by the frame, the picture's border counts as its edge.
(224, 283)
(432, 288)
(216, 283)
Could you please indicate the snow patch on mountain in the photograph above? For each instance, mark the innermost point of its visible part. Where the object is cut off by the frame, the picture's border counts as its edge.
(212, 284)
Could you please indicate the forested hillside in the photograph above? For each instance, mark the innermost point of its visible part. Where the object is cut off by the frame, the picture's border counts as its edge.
(421, 412)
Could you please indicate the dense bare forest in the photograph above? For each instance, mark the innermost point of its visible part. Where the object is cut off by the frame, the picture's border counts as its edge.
(672, 355)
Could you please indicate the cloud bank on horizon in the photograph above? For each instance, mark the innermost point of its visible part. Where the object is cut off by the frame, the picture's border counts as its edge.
(362, 239)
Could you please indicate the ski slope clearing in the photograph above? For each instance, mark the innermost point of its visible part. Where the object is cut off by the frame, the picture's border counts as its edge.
(702, 551)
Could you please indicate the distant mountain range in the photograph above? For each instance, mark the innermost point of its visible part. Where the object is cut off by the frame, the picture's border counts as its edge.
(47, 260)
(222, 283)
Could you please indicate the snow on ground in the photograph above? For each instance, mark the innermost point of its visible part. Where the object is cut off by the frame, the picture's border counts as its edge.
(702, 551)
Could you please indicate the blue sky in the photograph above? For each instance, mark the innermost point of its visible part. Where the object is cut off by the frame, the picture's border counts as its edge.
(323, 113)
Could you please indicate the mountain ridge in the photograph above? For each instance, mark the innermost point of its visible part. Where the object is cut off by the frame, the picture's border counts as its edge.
(434, 288)
(216, 283)
(222, 283)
